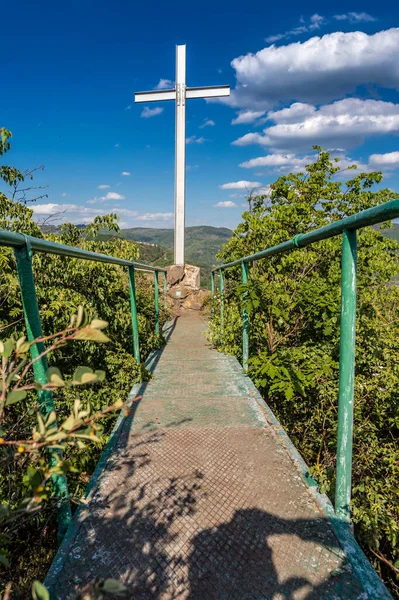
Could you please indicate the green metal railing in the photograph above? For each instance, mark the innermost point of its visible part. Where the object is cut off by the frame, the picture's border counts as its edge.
(347, 228)
(24, 246)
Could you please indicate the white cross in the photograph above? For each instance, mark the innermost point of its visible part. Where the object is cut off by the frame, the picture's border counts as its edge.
(180, 93)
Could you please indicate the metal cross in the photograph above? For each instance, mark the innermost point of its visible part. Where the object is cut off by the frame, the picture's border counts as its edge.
(180, 93)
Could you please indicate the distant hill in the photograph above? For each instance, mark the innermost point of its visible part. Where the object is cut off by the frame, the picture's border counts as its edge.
(202, 243)
(392, 232)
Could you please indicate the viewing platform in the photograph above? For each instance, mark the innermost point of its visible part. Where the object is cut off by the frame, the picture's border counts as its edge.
(200, 495)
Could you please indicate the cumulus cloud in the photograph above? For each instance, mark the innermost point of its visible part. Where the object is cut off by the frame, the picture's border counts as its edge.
(151, 112)
(126, 173)
(288, 162)
(344, 123)
(247, 116)
(155, 217)
(318, 70)
(84, 214)
(355, 17)
(207, 123)
(239, 185)
(164, 84)
(225, 204)
(112, 196)
(313, 24)
(103, 186)
(293, 163)
(390, 160)
(193, 139)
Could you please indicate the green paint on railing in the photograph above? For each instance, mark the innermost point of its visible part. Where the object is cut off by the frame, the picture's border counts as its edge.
(133, 310)
(221, 290)
(156, 301)
(34, 331)
(346, 375)
(371, 216)
(245, 323)
(165, 291)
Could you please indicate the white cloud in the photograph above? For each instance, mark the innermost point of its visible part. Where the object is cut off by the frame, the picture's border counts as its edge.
(318, 70)
(111, 196)
(194, 140)
(239, 185)
(128, 107)
(344, 123)
(207, 123)
(103, 186)
(64, 195)
(355, 17)
(390, 160)
(225, 204)
(164, 84)
(278, 161)
(155, 217)
(126, 173)
(247, 116)
(191, 167)
(151, 112)
(313, 24)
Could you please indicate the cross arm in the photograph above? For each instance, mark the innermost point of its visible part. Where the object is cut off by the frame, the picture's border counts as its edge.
(211, 91)
(155, 95)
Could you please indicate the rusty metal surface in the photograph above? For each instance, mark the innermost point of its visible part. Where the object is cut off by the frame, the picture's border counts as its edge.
(199, 499)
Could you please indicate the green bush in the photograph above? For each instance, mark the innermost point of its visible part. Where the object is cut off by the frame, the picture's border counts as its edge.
(293, 301)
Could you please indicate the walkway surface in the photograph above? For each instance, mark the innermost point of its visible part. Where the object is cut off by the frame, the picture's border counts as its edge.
(199, 500)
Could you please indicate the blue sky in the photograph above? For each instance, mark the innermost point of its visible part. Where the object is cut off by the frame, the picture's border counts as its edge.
(299, 76)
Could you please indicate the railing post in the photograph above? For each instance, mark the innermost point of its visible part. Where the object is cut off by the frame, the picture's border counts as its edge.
(346, 375)
(45, 398)
(165, 290)
(245, 324)
(212, 292)
(133, 310)
(221, 290)
(156, 301)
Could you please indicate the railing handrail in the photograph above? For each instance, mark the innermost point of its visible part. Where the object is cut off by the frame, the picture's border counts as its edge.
(346, 227)
(19, 240)
(371, 216)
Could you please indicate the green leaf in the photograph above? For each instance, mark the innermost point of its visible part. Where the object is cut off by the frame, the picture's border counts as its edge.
(91, 334)
(6, 348)
(112, 586)
(39, 592)
(98, 324)
(4, 561)
(54, 377)
(15, 396)
(83, 375)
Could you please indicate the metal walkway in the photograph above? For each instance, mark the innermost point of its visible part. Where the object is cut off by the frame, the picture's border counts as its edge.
(201, 498)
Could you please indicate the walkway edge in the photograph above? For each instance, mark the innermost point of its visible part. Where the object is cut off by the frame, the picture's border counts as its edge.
(69, 537)
(371, 581)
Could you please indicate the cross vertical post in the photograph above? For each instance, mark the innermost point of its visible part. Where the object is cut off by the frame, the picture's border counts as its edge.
(180, 154)
(180, 93)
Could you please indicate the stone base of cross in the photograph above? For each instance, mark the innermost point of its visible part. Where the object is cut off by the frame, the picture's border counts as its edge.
(180, 93)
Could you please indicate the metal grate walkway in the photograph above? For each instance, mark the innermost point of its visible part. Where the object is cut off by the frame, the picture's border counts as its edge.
(200, 499)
